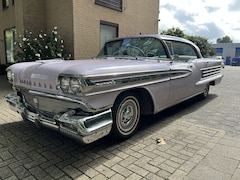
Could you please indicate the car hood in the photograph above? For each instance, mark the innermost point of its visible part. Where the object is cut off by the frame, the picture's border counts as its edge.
(43, 74)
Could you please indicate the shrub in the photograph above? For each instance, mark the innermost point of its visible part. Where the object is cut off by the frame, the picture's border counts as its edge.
(43, 46)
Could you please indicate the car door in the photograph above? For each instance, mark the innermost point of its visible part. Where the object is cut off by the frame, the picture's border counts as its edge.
(185, 71)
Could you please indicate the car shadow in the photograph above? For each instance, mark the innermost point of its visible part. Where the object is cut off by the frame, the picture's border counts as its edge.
(175, 112)
(30, 147)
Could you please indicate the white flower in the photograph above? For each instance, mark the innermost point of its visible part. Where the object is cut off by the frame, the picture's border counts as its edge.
(59, 55)
(24, 39)
(44, 35)
(46, 47)
(55, 32)
(55, 28)
(55, 39)
(61, 41)
(40, 36)
(37, 55)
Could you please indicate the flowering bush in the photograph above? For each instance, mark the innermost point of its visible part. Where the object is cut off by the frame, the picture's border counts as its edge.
(44, 46)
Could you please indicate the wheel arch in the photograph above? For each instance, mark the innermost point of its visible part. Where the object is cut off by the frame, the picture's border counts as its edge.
(144, 98)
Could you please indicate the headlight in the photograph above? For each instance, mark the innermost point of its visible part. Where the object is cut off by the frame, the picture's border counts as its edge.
(74, 85)
(64, 84)
(71, 85)
(10, 76)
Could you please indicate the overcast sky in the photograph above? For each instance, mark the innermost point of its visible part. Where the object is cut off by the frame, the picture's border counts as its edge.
(211, 19)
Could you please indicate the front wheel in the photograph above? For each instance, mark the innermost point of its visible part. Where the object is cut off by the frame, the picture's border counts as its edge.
(205, 92)
(126, 116)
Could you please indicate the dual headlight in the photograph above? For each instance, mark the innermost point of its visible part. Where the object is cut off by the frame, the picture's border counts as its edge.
(10, 76)
(72, 85)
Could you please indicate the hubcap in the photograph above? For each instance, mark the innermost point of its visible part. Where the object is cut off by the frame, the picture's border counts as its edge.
(128, 116)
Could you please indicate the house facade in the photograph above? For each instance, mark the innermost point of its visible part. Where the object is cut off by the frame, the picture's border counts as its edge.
(84, 25)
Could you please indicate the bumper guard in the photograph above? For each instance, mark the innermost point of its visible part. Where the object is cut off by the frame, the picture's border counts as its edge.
(87, 129)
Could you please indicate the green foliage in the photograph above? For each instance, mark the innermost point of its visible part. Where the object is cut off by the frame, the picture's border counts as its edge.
(225, 39)
(174, 32)
(43, 46)
(203, 44)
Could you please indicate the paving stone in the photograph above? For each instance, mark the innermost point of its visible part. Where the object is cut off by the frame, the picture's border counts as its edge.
(122, 170)
(177, 175)
(163, 174)
(227, 151)
(138, 170)
(188, 166)
(105, 171)
(202, 142)
(203, 172)
(220, 163)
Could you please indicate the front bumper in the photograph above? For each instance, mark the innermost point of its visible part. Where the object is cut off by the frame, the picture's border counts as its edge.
(87, 129)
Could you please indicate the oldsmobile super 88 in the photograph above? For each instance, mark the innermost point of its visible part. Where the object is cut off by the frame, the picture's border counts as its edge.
(131, 76)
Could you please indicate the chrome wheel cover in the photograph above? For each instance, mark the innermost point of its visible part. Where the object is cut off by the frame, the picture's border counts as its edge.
(128, 115)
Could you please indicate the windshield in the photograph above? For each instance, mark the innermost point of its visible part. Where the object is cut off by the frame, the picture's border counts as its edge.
(135, 47)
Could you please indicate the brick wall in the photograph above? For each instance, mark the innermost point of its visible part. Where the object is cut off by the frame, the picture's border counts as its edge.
(138, 16)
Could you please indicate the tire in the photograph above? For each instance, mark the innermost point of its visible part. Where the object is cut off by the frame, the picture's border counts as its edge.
(126, 116)
(205, 92)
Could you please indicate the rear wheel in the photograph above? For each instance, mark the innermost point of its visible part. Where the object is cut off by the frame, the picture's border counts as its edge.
(126, 116)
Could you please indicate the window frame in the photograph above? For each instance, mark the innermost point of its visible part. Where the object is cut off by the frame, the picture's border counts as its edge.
(112, 4)
(181, 57)
(5, 4)
(13, 30)
(110, 24)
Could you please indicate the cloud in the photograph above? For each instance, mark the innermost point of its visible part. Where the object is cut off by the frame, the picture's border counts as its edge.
(211, 9)
(234, 6)
(183, 16)
(169, 7)
(204, 18)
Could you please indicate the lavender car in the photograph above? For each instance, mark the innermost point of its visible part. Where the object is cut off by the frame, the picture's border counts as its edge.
(131, 77)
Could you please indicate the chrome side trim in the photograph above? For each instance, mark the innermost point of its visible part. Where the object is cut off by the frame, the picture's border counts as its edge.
(118, 84)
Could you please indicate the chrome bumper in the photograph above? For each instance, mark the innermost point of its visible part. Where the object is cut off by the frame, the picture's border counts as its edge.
(87, 129)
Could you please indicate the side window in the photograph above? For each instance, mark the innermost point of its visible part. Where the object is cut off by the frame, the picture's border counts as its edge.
(181, 51)
(154, 48)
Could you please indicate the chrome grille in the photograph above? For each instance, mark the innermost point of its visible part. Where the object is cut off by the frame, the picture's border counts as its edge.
(210, 71)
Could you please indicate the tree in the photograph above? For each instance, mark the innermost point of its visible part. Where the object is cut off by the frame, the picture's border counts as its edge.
(174, 32)
(203, 44)
(225, 39)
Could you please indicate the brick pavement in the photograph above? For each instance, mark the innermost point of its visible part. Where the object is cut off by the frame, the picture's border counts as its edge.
(202, 142)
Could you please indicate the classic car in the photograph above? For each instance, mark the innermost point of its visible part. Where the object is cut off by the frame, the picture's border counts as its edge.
(236, 61)
(131, 77)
